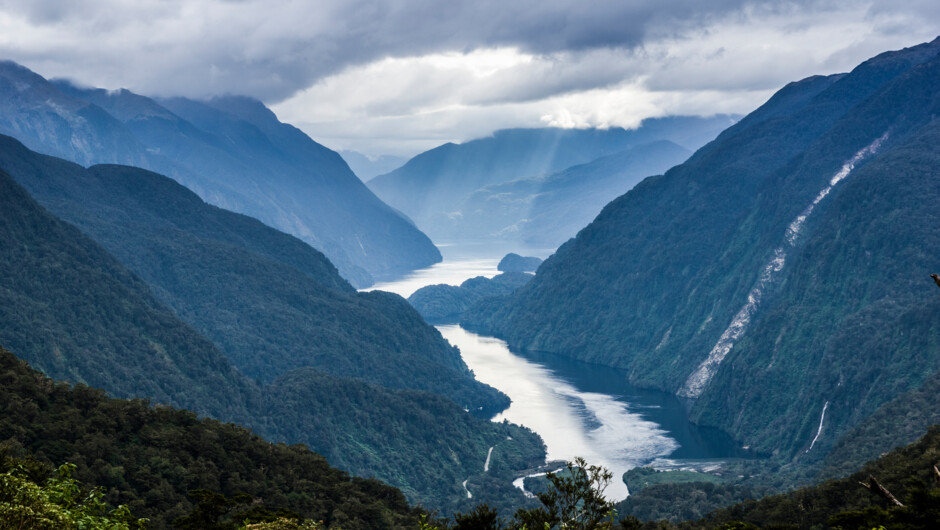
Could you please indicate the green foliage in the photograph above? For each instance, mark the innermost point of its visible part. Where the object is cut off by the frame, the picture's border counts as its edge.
(444, 447)
(906, 472)
(59, 502)
(685, 500)
(575, 500)
(234, 152)
(149, 459)
(639, 478)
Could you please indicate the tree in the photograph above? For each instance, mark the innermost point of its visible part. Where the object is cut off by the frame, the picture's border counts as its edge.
(58, 503)
(574, 501)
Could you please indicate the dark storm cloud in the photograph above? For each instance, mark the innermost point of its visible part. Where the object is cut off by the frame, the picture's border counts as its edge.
(272, 49)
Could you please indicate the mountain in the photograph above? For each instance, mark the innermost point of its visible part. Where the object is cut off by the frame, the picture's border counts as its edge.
(435, 187)
(150, 458)
(437, 303)
(55, 284)
(72, 310)
(546, 211)
(367, 168)
(270, 302)
(778, 279)
(233, 152)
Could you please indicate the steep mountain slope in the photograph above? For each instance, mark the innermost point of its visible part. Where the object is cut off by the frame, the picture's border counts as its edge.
(54, 284)
(269, 301)
(433, 188)
(71, 309)
(150, 458)
(776, 278)
(233, 152)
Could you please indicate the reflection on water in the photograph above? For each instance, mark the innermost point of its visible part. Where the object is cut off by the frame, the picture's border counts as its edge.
(586, 410)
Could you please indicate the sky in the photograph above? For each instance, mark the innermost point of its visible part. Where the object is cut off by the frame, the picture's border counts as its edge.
(401, 76)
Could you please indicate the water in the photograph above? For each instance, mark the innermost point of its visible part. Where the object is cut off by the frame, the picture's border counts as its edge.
(579, 409)
(449, 272)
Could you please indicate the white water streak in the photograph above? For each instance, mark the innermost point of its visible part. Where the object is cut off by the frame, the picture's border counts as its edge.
(486, 466)
(469, 495)
(819, 430)
(699, 379)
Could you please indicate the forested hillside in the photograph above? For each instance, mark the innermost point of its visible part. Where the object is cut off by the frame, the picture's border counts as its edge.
(779, 278)
(269, 301)
(150, 458)
(75, 312)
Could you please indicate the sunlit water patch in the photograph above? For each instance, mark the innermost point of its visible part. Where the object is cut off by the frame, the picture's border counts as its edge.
(447, 272)
(595, 426)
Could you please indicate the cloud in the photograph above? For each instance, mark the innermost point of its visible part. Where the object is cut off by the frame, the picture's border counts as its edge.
(272, 48)
(361, 71)
(729, 65)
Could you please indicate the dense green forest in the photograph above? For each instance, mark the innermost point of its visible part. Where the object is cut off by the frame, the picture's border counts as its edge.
(149, 458)
(270, 302)
(71, 310)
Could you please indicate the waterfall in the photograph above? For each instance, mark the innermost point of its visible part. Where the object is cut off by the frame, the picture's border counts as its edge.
(819, 430)
(699, 379)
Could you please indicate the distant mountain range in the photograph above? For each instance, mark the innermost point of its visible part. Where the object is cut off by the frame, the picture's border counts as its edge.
(778, 279)
(506, 186)
(233, 152)
(366, 168)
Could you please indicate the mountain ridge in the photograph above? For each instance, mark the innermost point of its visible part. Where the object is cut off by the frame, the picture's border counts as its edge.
(233, 152)
(655, 280)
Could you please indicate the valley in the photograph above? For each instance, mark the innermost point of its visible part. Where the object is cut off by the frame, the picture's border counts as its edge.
(578, 409)
(467, 266)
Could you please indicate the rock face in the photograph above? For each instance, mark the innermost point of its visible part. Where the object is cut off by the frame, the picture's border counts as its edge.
(233, 152)
(513, 262)
(512, 184)
(780, 277)
(447, 303)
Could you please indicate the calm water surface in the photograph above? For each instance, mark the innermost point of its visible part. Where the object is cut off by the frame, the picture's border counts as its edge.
(577, 408)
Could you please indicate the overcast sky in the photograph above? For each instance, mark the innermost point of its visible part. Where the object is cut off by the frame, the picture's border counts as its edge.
(401, 76)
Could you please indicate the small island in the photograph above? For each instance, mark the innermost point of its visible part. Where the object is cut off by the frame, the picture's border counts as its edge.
(513, 262)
